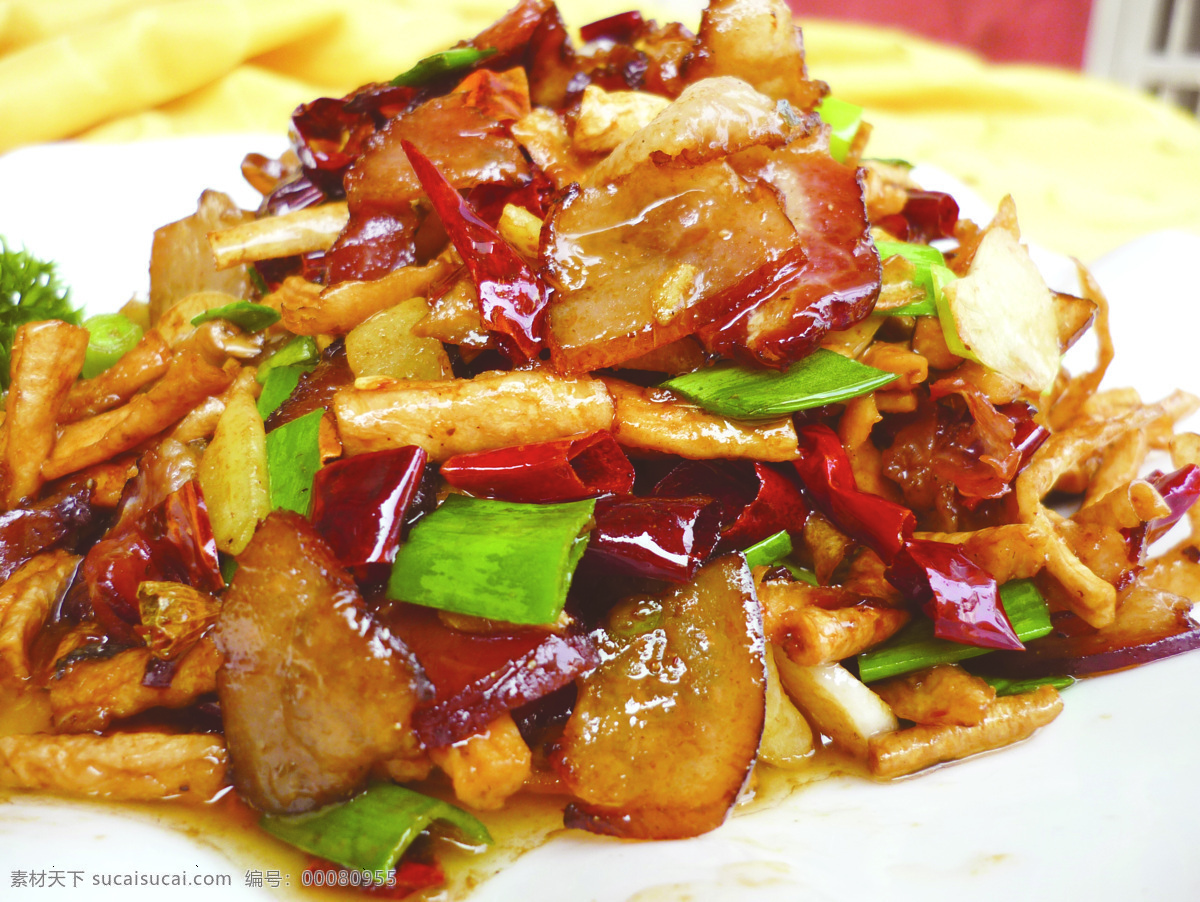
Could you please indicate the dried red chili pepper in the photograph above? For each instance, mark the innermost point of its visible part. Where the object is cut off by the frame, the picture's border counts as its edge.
(546, 472)
(621, 27)
(960, 597)
(512, 298)
(360, 503)
(657, 538)
(828, 480)
(926, 216)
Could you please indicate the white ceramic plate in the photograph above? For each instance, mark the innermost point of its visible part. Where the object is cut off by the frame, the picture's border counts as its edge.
(1103, 804)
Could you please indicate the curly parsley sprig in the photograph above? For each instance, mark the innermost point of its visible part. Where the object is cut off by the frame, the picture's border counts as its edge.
(29, 291)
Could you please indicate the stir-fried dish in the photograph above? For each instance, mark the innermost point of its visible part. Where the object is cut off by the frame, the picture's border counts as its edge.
(589, 417)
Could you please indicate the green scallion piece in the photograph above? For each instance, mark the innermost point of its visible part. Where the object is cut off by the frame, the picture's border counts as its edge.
(372, 830)
(447, 62)
(843, 120)
(1006, 686)
(943, 276)
(293, 458)
(750, 393)
(228, 564)
(493, 559)
(802, 574)
(922, 257)
(110, 337)
(300, 351)
(257, 280)
(770, 550)
(915, 646)
(246, 315)
(281, 381)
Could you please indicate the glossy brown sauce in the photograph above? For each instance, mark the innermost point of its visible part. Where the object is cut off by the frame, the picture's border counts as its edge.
(229, 826)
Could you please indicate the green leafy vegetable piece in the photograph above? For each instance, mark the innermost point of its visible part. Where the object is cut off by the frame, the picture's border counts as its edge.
(281, 381)
(915, 646)
(300, 351)
(1006, 686)
(293, 458)
(922, 257)
(29, 291)
(749, 393)
(245, 315)
(257, 280)
(110, 337)
(446, 62)
(493, 559)
(843, 120)
(770, 550)
(372, 830)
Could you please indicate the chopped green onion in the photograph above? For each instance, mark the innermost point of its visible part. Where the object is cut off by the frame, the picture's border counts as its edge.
(293, 458)
(300, 351)
(229, 565)
(437, 65)
(943, 276)
(922, 257)
(1006, 686)
(257, 280)
(749, 393)
(372, 830)
(245, 315)
(802, 574)
(843, 120)
(281, 381)
(915, 646)
(111, 336)
(770, 550)
(493, 559)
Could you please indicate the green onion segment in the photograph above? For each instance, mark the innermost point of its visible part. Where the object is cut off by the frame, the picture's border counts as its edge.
(300, 351)
(1006, 686)
(372, 830)
(915, 646)
(436, 65)
(293, 458)
(246, 315)
(749, 393)
(770, 550)
(110, 337)
(843, 120)
(493, 559)
(278, 386)
(943, 276)
(922, 257)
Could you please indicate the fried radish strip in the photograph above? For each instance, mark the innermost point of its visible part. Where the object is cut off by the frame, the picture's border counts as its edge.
(201, 421)
(188, 381)
(175, 326)
(1081, 388)
(338, 309)
(90, 694)
(285, 235)
(141, 365)
(46, 359)
(911, 367)
(127, 767)
(488, 767)
(818, 625)
(866, 461)
(606, 118)
(944, 694)
(656, 420)
(494, 410)
(544, 136)
(1008, 720)
(1118, 464)
(1065, 449)
(827, 545)
(25, 602)
(454, 318)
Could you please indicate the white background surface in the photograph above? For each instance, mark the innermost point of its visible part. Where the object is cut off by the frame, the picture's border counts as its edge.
(1104, 804)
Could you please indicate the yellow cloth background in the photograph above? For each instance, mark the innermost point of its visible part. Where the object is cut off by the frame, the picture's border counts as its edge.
(1091, 165)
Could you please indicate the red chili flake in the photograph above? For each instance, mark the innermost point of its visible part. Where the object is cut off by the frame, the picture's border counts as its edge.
(828, 479)
(512, 298)
(960, 597)
(546, 472)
